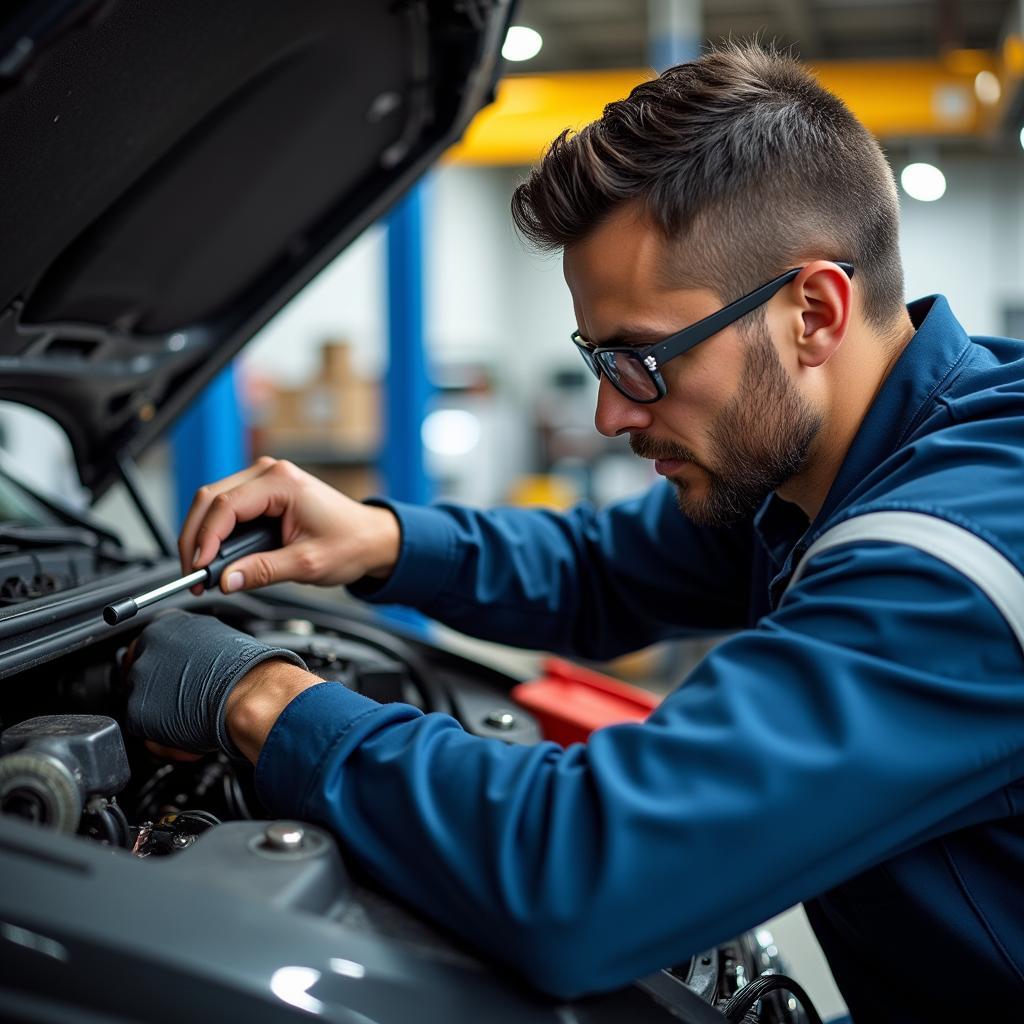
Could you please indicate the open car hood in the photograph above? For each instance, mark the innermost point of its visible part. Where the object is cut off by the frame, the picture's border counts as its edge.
(174, 173)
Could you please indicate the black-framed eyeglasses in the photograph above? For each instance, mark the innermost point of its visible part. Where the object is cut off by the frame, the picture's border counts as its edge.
(636, 372)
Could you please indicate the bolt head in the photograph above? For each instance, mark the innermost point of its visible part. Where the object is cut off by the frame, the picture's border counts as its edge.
(284, 836)
(501, 719)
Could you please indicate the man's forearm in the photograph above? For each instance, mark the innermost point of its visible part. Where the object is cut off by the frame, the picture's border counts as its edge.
(255, 704)
(592, 583)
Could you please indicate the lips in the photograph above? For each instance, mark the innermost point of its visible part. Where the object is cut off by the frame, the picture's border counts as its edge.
(666, 467)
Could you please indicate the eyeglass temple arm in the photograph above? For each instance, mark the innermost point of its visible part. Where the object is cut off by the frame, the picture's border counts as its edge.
(729, 314)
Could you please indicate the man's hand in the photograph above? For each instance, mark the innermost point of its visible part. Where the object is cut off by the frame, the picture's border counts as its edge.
(183, 673)
(327, 537)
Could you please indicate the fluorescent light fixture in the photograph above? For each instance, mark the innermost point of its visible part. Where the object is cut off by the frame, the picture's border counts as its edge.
(923, 182)
(521, 43)
(987, 88)
(451, 432)
(1022, 138)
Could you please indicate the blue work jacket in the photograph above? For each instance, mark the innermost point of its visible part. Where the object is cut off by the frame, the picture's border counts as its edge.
(858, 746)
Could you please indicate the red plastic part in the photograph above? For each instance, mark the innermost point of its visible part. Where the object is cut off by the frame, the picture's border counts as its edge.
(571, 702)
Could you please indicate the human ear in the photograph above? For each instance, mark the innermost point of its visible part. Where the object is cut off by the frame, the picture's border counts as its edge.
(825, 297)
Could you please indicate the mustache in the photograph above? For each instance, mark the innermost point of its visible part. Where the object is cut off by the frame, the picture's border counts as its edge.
(649, 448)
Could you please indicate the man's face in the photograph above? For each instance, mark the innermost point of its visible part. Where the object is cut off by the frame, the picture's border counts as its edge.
(733, 426)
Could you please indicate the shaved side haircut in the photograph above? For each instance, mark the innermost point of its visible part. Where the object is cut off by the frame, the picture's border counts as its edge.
(744, 163)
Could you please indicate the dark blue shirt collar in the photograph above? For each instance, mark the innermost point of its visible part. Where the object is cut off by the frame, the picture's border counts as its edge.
(906, 397)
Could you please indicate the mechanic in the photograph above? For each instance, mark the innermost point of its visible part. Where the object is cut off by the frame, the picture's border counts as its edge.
(857, 743)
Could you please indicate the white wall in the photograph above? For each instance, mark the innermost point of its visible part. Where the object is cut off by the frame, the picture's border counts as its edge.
(470, 306)
(345, 302)
(969, 245)
(486, 300)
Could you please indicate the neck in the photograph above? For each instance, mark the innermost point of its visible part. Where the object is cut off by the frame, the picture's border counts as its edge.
(851, 393)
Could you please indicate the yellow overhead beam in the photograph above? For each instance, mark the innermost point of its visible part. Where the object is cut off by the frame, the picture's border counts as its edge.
(894, 98)
(530, 110)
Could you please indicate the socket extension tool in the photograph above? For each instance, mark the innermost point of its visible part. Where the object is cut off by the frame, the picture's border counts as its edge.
(263, 534)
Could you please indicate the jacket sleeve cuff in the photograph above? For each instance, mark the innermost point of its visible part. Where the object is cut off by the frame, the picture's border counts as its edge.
(301, 739)
(427, 558)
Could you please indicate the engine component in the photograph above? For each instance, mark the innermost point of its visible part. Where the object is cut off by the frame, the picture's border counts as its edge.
(41, 789)
(104, 820)
(356, 665)
(27, 575)
(50, 765)
(743, 1003)
(284, 837)
(171, 834)
(213, 783)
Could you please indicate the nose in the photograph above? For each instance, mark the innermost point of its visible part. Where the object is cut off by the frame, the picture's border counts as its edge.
(616, 414)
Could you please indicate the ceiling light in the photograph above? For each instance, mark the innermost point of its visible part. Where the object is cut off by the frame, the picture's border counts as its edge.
(987, 88)
(924, 182)
(521, 43)
(1022, 138)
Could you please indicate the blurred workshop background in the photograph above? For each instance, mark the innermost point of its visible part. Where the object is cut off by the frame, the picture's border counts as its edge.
(432, 360)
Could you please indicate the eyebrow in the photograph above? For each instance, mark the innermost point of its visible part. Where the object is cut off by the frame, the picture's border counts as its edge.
(637, 337)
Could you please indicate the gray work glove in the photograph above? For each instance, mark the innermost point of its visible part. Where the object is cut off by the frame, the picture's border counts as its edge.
(183, 669)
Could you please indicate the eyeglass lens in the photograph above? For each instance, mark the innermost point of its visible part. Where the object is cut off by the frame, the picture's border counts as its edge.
(629, 374)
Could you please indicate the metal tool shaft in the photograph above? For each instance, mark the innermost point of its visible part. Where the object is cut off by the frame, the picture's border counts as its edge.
(115, 613)
(199, 576)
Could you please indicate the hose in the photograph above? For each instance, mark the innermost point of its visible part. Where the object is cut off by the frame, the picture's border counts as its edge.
(747, 996)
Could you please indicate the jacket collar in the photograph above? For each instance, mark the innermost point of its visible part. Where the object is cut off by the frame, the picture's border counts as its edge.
(908, 394)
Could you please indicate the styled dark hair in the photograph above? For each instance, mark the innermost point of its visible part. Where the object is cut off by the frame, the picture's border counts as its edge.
(743, 159)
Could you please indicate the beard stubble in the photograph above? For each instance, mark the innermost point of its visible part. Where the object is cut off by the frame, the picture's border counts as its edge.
(761, 439)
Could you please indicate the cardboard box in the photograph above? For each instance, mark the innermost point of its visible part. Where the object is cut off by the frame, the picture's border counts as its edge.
(336, 363)
(338, 408)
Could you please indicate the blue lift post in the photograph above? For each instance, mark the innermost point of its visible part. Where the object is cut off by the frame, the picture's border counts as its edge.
(407, 390)
(208, 442)
(673, 32)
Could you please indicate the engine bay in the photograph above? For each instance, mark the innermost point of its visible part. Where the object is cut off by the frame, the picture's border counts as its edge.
(71, 772)
(66, 763)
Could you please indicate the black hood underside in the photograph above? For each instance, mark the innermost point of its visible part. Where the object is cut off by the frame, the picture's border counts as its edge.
(173, 173)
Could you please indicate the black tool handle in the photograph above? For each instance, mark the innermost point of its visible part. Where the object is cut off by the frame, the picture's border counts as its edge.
(263, 534)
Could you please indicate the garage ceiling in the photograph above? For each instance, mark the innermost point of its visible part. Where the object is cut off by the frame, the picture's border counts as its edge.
(582, 34)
